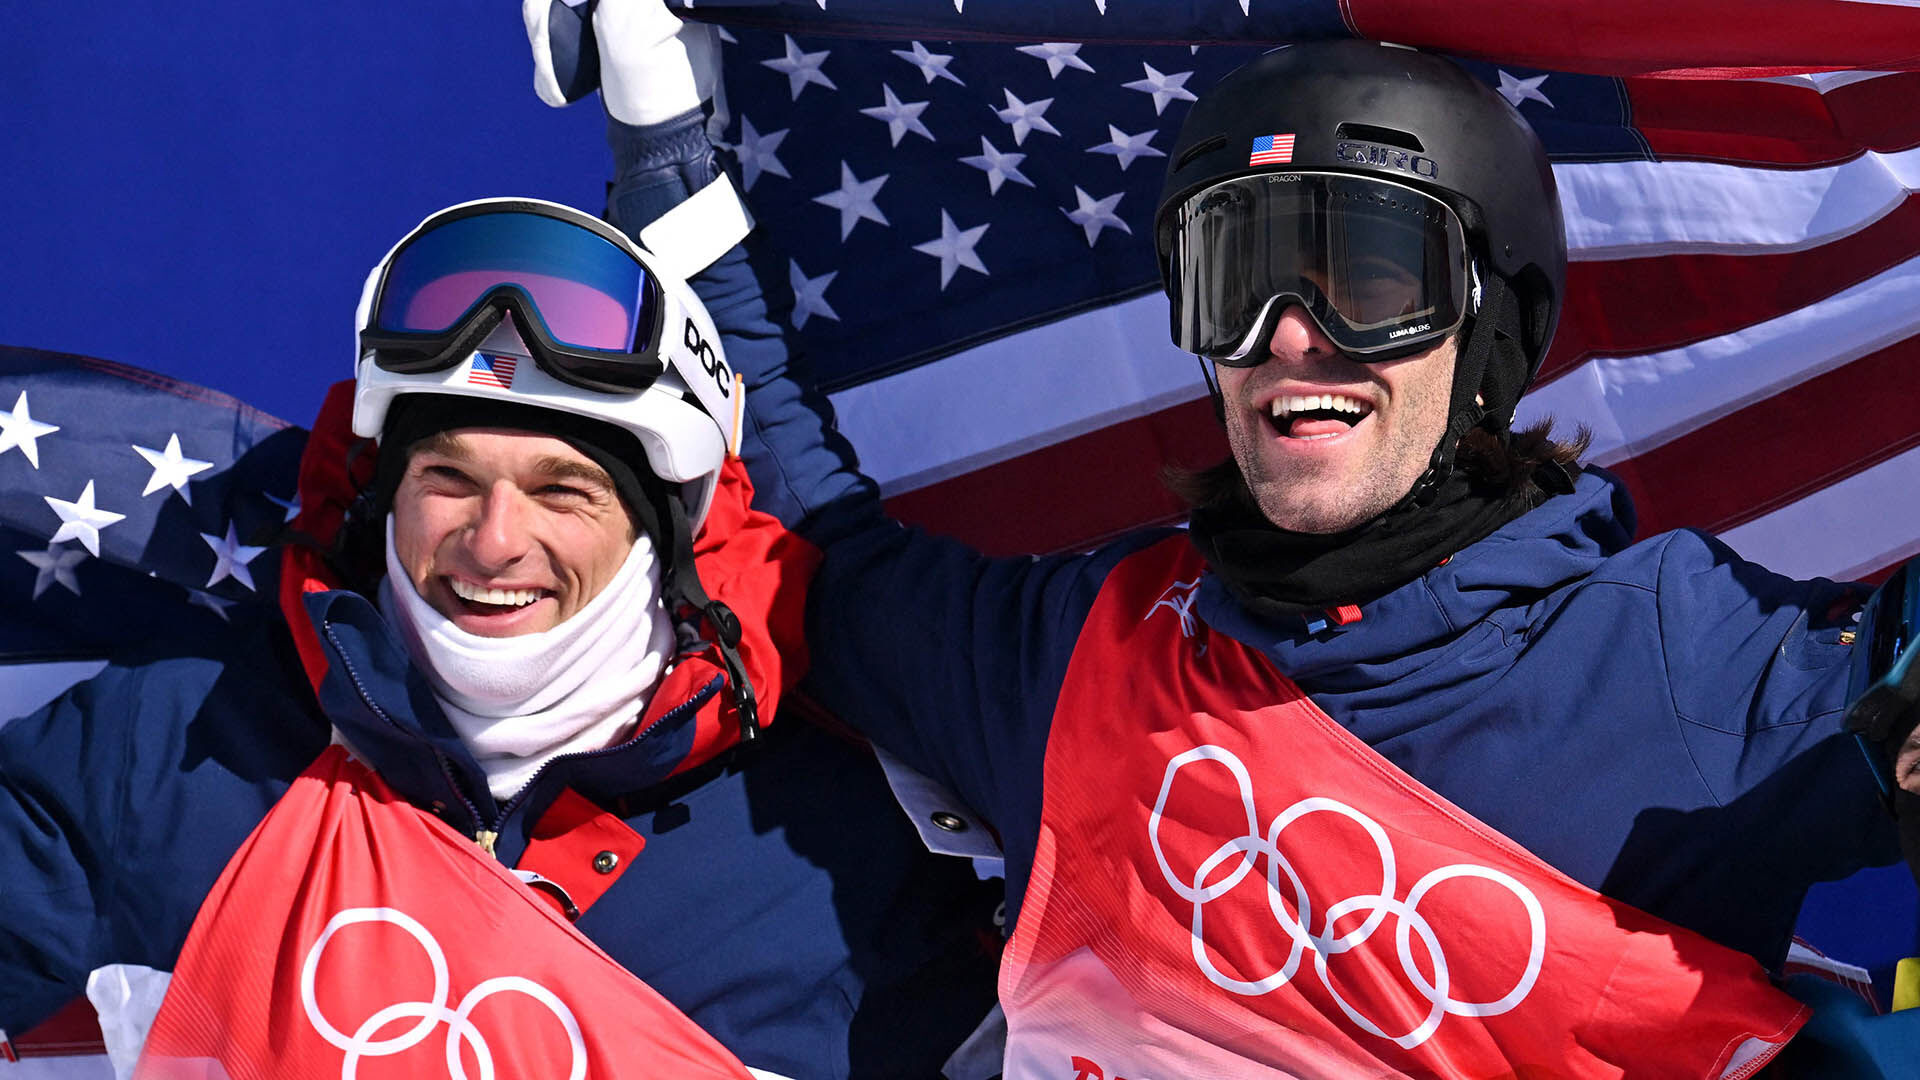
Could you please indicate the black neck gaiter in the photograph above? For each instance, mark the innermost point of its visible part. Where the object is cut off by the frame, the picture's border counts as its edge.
(1275, 572)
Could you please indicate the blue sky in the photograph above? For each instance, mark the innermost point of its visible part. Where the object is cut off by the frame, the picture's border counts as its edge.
(204, 196)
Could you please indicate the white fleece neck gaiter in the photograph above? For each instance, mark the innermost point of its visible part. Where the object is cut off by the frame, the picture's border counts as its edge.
(519, 701)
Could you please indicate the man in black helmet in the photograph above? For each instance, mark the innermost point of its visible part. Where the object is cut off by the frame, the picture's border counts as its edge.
(1405, 759)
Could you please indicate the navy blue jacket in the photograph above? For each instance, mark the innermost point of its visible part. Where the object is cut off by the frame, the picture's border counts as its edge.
(782, 900)
(1659, 720)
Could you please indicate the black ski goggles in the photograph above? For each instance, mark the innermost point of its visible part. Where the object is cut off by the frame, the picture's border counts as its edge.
(1883, 683)
(1382, 268)
(589, 309)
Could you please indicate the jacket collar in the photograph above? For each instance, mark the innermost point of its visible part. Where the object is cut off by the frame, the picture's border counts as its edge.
(1522, 562)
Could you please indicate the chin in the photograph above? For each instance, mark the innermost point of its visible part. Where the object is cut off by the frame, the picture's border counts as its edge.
(1314, 518)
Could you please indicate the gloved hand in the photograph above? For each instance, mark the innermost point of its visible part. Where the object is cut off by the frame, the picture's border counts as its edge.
(1846, 1039)
(647, 64)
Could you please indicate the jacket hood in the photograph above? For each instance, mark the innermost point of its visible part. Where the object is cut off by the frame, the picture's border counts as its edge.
(1521, 564)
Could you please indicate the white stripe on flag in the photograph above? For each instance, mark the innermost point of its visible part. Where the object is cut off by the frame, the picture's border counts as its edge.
(1635, 403)
(1861, 524)
(1631, 209)
(1017, 393)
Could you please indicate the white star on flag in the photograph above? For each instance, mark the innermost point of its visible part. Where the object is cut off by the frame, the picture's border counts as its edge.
(954, 249)
(54, 566)
(171, 468)
(1094, 214)
(810, 294)
(215, 604)
(1519, 90)
(1127, 147)
(1025, 116)
(854, 200)
(291, 506)
(1059, 56)
(756, 153)
(932, 65)
(19, 428)
(999, 167)
(81, 519)
(901, 116)
(230, 558)
(801, 68)
(1164, 88)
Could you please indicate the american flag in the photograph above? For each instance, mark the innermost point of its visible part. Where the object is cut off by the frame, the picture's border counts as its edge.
(490, 370)
(967, 234)
(963, 203)
(1271, 150)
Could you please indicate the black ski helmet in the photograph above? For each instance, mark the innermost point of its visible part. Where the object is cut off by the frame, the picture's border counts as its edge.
(1392, 113)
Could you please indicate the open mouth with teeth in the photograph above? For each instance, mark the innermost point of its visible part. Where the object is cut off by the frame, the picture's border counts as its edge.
(483, 600)
(1316, 416)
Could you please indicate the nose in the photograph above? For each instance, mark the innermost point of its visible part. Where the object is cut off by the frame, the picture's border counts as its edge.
(1296, 337)
(499, 536)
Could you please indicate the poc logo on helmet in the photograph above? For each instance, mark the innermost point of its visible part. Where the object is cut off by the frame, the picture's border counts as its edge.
(716, 368)
(1391, 157)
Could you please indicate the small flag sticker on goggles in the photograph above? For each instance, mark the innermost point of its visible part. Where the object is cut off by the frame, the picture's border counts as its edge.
(1272, 150)
(492, 371)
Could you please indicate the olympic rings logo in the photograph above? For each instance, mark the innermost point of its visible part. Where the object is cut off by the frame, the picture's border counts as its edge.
(1408, 921)
(430, 1013)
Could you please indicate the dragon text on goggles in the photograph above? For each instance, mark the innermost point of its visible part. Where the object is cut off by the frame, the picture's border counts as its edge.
(1381, 268)
(590, 311)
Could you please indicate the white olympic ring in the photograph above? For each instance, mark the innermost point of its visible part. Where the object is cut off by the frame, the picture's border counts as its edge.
(1409, 922)
(459, 1025)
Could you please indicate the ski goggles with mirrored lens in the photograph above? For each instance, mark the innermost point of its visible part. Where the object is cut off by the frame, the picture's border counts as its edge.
(1381, 268)
(588, 307)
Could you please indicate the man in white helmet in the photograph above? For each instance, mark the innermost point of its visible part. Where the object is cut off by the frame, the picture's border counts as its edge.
(497, 787)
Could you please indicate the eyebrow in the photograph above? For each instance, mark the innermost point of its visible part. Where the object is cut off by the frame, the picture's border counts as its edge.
(559, 468)
(550, 466)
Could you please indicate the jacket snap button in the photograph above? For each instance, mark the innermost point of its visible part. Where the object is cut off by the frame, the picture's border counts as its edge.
(949, 821)
(604, 862)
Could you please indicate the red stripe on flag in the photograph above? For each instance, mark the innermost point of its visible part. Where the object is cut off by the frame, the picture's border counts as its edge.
(1073, 494)
(1726, 472)
(72, 1029)
(1630, 306)
(1782, 448)
(1879, 112)
(1769, 123)
(1631, 37)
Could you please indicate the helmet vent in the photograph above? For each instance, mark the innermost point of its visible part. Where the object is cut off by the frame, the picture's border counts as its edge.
(1205, 146)
(1385, 136)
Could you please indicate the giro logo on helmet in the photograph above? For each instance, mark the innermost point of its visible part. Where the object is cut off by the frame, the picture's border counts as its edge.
(1390, 156)
(715, 367)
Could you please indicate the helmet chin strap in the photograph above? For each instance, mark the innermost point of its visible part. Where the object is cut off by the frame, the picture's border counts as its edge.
(1486, 385)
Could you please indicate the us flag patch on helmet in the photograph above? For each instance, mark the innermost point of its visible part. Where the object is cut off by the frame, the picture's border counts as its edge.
(492, 371)
(1272, 150)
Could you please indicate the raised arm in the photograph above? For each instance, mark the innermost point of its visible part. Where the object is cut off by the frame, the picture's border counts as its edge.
(946, 658)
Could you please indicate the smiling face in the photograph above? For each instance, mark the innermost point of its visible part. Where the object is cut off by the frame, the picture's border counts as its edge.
(1325, 442)
(507, 532)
